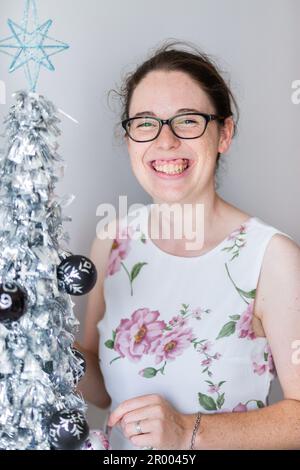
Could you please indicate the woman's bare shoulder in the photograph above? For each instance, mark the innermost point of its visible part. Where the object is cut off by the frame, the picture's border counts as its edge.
(104, 239)
(95, 307)
(280, 267)
(281, 247)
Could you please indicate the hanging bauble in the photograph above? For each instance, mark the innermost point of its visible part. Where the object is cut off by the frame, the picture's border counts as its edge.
(12, 301)
(77, 275)
(68, 430)
(63, 254)
(81, 365)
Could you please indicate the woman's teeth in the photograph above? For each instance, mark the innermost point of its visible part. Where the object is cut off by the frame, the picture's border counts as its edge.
(172, 167)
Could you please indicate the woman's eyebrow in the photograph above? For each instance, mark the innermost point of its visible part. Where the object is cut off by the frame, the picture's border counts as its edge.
(144, 113)
(181, 110)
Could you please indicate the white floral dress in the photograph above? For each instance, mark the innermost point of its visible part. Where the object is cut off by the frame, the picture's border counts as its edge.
(180, 326)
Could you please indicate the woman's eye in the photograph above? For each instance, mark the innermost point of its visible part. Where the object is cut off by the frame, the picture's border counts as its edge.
(186, 121)
(145, 124)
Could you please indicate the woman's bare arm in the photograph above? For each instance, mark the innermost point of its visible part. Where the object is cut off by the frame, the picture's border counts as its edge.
(92, 385)
(276, 426)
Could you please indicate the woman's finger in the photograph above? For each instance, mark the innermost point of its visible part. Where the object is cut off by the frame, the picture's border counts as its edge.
(147, 412)
(136, 428)
(143, 441)
(131, 405)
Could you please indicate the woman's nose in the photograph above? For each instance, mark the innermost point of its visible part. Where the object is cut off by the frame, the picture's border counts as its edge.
(166, 138)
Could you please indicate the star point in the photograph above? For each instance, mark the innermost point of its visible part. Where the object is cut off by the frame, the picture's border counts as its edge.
(31, 49)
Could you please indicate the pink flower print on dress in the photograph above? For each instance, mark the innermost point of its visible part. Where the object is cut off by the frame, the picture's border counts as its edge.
(244, 324)
(119, 252)
(271, 364)
(259, 369)
(265, 363)
(204, 347)
(197, 313)
(176, 337)
(177, 321)
(236, 233)
(173, 344)
(209, 403)
(238, 239)
(119, 249)
(135, 336)
(270, 359)
(206, 362)
(240, 408)
(213, 388)
(143, 334)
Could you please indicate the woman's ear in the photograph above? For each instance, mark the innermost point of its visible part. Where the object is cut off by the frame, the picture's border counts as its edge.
(226, 135)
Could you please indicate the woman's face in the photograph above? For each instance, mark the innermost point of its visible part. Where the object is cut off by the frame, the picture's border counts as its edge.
(164, 94)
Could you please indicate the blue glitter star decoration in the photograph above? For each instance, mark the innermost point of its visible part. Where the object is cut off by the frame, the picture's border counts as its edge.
(30, 46)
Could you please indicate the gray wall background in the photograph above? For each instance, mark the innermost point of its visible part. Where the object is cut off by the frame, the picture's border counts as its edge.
(256, 42)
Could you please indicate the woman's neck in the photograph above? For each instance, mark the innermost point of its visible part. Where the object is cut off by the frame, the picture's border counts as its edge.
(184, 224)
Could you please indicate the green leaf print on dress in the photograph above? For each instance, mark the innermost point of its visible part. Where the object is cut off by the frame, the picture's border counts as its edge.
(237, 321)
(242, 293)
(209, 403)
(133, 274)
(242, 325)
(214, 400)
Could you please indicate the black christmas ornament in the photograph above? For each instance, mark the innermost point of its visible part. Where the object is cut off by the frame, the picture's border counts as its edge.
(12, 301)
(68, 430)
(77, 275)
(81, 365)
(63, 254)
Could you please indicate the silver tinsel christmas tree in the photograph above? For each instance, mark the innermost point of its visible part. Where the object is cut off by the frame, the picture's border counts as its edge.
(39, 369)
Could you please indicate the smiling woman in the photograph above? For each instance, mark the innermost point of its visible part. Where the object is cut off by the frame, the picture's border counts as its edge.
(184, 344)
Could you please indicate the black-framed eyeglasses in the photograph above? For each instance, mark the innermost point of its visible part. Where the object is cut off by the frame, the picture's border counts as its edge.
(184, 126)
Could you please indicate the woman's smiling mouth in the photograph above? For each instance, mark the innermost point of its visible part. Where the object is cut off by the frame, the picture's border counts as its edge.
(171, 169)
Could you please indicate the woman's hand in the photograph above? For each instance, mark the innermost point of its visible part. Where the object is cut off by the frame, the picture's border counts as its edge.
(161, 425)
